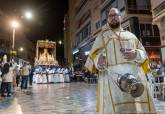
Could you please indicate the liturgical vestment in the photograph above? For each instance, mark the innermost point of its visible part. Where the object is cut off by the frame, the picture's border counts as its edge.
(111, 100)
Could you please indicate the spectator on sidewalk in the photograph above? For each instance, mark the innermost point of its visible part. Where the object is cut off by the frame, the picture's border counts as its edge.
(31, 76)
(7, 79)
(25, 73)
(18, 76)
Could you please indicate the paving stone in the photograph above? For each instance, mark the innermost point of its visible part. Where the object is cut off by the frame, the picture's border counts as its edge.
(64, 98)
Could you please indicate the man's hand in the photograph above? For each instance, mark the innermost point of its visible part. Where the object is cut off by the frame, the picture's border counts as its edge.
(101, 61)
(130, 54)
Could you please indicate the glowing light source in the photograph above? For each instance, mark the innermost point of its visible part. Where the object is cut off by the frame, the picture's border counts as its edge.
(60, 42)
(14, 24)
(28, 15)
(87, 52)
(21, 49)
(75, 51)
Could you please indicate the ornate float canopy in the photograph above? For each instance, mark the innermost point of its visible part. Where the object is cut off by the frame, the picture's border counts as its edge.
(46, 44)
(45, 53)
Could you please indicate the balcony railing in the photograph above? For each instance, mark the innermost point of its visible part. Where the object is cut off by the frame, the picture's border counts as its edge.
(159, 9)
(151, 40)
(134, 9)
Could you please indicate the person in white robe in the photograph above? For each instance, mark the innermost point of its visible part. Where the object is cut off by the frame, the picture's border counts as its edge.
(107, 52)
(66, 75)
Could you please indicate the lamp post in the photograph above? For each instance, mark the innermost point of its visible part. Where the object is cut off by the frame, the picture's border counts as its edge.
(14, 25)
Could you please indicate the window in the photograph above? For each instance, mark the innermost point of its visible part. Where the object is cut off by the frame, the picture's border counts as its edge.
(127, 28)
(83, 34)
(131, 4)
(104, 12)
(156, 30)
(142, 29)
(104, 15)
(122, 9)
(97, 24)
(149, 30)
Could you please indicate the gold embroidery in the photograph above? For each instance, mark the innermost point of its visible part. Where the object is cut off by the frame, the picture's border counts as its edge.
(109, 39)
(114, 51)
(133, 102)
(149, 106)
(113, 105)
(105, 46)
(91, 58)
(121, 63)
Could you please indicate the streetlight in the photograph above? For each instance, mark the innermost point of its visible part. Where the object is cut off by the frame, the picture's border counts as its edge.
(21, 49)
(28, 15)
(60, 42)
(14, 25)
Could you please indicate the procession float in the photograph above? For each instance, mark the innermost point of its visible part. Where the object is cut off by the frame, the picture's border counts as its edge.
(45, 53)
(47, 69)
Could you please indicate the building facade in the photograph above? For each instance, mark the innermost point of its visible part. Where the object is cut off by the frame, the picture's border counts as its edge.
(87, 17)
(158, 13)
(67, 41)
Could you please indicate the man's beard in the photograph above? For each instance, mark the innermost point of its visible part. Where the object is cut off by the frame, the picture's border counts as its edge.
(114, 25)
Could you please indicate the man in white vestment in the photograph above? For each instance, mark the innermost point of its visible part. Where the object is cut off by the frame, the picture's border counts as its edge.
(117, 52)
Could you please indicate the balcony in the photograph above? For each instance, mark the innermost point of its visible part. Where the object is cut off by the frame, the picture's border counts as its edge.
(159, 10)
(134, 9)
(151, 41)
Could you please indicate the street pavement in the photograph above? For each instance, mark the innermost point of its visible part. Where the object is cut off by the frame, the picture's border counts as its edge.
(59, 98)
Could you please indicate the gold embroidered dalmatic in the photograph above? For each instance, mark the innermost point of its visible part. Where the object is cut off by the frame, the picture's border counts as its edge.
(111, 100)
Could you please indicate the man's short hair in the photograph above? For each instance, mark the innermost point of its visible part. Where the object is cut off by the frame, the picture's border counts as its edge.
(116, 10)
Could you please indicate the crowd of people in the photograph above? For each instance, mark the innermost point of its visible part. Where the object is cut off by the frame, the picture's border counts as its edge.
(156, 75)
(51, 74)
(13, 76)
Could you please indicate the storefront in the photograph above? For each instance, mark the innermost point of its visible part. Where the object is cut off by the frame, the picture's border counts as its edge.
(80, 55)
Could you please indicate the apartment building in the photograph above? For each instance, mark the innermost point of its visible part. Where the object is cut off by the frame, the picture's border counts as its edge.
(158, 13)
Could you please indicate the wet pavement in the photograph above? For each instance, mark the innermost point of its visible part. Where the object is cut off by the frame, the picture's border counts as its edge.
(60, 98)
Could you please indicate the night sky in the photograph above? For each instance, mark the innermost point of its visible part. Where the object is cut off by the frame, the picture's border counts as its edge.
(48, 16)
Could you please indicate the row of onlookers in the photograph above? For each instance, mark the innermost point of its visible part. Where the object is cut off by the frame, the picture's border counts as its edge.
(12, 75)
